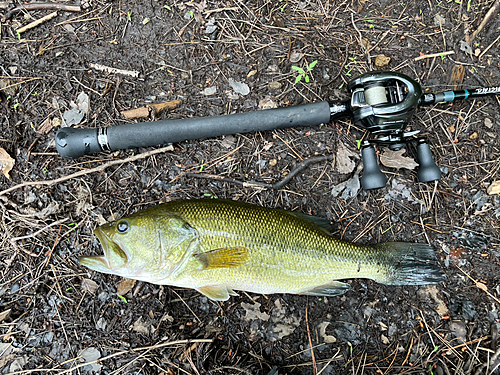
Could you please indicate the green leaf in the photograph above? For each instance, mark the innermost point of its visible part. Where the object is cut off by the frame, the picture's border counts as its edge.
(312, 65)
(298, 78)
(307, 79)
(298, 69)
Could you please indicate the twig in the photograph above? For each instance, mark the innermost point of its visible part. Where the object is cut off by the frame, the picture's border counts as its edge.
(315, 368)
(434, 55)
(36, 23)
(179, 342)
(361, 41)
(477, 285)
(150, 110)
(487, 48)
(256, 184)
(14, 239)
(494, 8)
(46, 6)
(83, 173)
(110, 70)
(19, 83)
(189, 308)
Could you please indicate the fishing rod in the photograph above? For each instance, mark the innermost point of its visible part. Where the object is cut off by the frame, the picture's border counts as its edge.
(381, 102)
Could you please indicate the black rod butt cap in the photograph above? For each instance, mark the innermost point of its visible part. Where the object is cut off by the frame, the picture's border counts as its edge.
(73, 143)
(372, 177)
(428, 170)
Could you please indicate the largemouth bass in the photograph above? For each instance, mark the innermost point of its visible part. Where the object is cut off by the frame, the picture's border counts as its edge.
(218, 246)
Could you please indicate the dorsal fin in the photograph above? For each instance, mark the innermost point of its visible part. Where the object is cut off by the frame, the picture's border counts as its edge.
(326, 225)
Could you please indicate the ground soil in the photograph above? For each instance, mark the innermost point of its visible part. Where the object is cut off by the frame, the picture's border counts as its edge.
(58, 317)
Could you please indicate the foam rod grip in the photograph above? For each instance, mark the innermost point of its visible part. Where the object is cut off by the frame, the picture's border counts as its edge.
(73, 143)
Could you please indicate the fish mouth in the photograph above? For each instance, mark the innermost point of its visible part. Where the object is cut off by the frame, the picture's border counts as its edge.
(114, 257)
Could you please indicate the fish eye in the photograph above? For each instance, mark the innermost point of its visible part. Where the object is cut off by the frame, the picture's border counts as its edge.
(122, 226)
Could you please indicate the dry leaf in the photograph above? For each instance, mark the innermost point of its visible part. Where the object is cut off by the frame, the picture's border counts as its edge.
(140, 327)
(482, 286)
(6, 163)
(327, 339)
(395, 159)
(296, 57)
(89, 285)
(253, 312)
(494, 188)
(343, 160)
(267, 103)
(385, 340)
(125, 286)
(382, 60)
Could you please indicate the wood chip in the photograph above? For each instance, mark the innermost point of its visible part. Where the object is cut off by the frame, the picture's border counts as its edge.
(150, 110)
(457, 76)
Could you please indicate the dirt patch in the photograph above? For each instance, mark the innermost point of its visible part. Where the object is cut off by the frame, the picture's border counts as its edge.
(228, 57)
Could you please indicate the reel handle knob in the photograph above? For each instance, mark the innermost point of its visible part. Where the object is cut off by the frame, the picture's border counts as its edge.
(428, 170)
(372, 177)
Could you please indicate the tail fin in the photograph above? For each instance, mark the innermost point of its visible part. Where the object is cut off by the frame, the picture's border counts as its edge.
(412, 263)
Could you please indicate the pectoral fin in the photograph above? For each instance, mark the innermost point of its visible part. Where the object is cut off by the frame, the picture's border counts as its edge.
(216, 292)
(223, 258)
(335, 288)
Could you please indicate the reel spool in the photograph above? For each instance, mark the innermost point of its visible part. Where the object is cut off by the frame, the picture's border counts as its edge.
(383, 103)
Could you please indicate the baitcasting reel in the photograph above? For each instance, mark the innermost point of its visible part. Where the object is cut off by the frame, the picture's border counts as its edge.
(383, 103)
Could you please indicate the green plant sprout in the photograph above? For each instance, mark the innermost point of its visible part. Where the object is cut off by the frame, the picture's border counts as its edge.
(388, 229)
(350, 348)
(303, 73)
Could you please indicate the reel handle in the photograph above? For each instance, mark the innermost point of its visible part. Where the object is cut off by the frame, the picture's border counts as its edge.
(428, 170)
(372, 177)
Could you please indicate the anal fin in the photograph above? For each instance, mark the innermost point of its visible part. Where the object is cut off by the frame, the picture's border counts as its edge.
(216, 292)
(335, 288)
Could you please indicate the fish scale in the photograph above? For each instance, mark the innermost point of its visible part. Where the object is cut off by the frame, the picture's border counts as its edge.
(218, 246)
